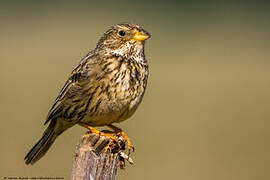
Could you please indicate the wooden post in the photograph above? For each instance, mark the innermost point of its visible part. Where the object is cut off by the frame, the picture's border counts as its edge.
(98, 157)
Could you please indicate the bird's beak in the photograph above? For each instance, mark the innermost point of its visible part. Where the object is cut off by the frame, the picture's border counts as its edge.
(141, 36)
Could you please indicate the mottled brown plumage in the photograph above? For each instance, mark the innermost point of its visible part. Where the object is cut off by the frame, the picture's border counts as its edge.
(104, 88)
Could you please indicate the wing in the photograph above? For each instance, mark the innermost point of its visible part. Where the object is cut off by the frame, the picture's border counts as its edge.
(72, 87)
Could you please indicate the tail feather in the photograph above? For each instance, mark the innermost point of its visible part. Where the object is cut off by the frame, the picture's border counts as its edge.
(42, 146)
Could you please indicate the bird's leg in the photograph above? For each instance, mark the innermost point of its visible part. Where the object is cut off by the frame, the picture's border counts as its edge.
(119, 131)
(94, 130)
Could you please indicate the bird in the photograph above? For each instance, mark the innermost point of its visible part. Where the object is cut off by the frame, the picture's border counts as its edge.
(106, 87)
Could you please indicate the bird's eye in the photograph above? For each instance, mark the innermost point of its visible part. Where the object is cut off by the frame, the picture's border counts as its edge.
(122, 33)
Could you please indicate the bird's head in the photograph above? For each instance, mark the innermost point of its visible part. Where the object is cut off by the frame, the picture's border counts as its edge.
(123, 40)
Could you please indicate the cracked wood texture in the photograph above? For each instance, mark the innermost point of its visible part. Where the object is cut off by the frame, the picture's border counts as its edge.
(96, 158)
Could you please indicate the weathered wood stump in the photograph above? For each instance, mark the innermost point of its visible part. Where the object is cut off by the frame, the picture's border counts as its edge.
(98, 157)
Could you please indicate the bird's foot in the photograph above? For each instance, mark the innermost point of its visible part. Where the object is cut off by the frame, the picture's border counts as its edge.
(127, 143)
(113, 135)
(119, 142)
(129, 146)
(110, 135)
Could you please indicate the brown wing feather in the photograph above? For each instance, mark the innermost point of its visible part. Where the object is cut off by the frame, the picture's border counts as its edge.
(72, 86)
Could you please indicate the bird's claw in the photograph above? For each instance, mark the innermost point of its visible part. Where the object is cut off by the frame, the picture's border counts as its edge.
(119, 143)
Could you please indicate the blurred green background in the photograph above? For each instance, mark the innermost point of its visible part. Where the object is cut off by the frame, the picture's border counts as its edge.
(205, 115)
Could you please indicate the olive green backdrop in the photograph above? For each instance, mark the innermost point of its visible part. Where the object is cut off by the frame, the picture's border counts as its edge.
(205, 115)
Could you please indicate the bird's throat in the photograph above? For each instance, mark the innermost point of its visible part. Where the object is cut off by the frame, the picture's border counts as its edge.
(134, 51)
